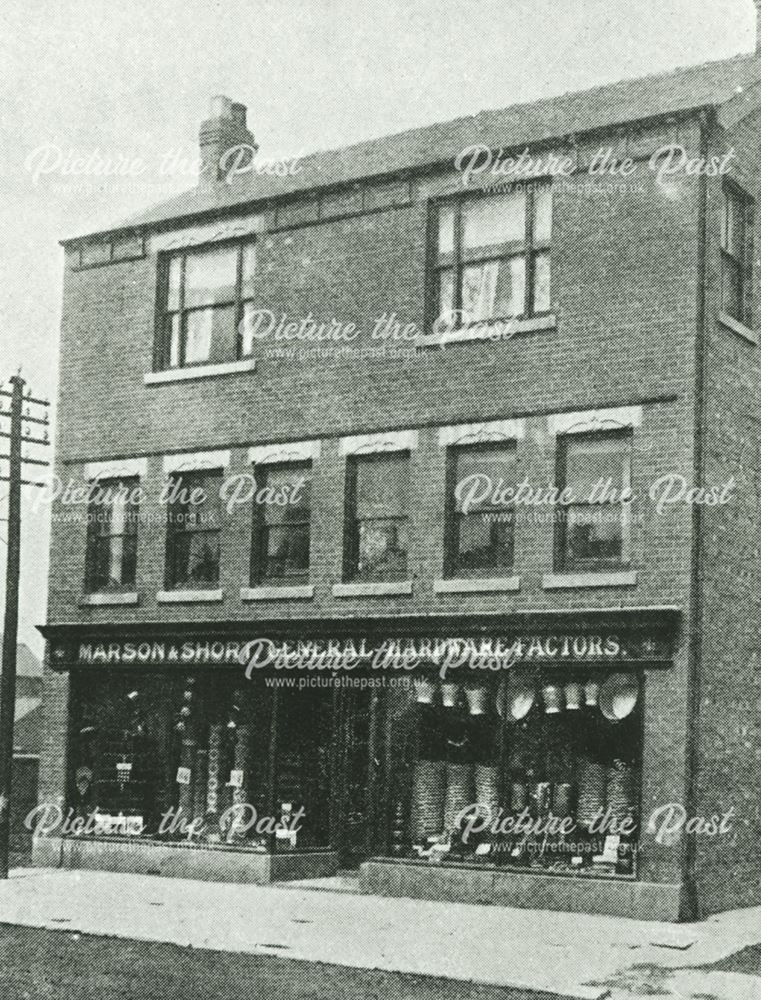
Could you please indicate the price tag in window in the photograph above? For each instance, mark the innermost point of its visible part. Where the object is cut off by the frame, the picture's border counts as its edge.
(236, 779)
(610, 851)
(183, 775)
(134, 826)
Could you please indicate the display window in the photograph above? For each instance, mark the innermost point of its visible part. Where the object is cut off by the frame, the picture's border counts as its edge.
(540, 770)
(196, 758)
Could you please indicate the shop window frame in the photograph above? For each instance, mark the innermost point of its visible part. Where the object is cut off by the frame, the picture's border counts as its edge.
(505, 734)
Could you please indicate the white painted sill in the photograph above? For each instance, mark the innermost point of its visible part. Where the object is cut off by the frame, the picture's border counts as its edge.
(390, 588)
(569, 581)
(495, 331)
(106, 600)
(198, 371)
(285, 593)
(739, 328)
(485, 585)
(190, 596)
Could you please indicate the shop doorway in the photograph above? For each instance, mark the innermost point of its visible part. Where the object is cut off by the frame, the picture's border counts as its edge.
(357, 766)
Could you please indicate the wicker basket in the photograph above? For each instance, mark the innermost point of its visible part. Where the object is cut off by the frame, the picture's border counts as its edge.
(620, 789)
(591, 790)
(428, 786)
(460, 793)
(518, 796)
(487, 790)
(562, 799)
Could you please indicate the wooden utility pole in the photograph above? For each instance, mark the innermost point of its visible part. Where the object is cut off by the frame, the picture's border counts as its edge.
(18, 436)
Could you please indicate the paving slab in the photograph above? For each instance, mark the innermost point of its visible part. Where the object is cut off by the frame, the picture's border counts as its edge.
(570, 954)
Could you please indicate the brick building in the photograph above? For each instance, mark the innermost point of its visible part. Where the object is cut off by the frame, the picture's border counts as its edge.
(349, 362)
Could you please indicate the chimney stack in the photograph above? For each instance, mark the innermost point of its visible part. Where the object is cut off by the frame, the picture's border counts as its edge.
(758, 27)
(225, 141)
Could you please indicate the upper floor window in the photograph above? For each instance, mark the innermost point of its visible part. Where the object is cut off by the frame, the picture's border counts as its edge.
(113, 513)
(492, 255)
(479, 527)
(204, 297)
(594, 530)
(281, 523)
(377, 516)
(193, 529)
(736, 254)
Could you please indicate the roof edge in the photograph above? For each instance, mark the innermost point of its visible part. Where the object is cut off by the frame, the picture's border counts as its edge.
(247, 204)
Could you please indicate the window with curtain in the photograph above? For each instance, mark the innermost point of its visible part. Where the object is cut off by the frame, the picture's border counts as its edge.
(281, 523)
(378, 516)
(112, 518)
(492, 255)
(193, 530)
(205, 299)
(480, 529)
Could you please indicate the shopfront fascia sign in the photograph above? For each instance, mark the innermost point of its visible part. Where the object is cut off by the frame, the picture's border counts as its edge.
(387, 654)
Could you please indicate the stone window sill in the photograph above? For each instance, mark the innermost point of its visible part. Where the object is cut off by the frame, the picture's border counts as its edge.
(739, 328)
(390, 588)
(189, 596)
(492, 331)
(198, 371)
(275, 593)
(568, 581)
(106, 600)
(484, 585)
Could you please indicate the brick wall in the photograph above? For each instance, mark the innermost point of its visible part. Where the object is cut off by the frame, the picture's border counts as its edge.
(625, 275)
(729, 867)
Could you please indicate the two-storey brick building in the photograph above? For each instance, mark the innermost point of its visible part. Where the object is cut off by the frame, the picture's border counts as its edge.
(427, 425)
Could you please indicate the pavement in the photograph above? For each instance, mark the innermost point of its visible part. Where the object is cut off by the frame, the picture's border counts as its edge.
(322, 921)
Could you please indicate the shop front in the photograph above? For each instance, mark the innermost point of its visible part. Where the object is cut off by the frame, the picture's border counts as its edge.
(495, 760)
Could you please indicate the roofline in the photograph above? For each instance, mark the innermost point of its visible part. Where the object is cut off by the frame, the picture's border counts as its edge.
(732, 112)
(401, 172)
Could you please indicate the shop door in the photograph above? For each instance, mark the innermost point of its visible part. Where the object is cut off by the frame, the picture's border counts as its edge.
(357, 772)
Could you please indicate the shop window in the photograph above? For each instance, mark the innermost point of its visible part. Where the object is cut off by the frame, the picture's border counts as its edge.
(377, 517)
(194, 512)
(491, 255)
(594, 527)
(479, 527)
(542, 772)
(281, 523)
(112, 520)
(736, 254)
(168, 757)
(205, 299)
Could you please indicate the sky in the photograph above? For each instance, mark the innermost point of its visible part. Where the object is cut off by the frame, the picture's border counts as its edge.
(129, 83)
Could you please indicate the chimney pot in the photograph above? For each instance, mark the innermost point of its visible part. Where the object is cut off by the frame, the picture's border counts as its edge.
(223, 131)
(238, 112)
(221, 107)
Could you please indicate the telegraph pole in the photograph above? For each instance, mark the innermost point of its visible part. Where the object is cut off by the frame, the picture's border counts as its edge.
(18, 435)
